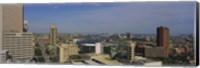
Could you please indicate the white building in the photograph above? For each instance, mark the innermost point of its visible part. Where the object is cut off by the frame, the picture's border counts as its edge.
(3, 56)
(97, 47)
(131, 51)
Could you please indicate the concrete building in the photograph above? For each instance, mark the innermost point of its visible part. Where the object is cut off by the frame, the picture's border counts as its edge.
(65, 50)
(44, 39)
(154, 52)
(12, 38)
(53, 35)
(163, 39)
(53, 39)
(131, 52)
(96, 48)
(12, 17)
(19, 45)
(3, 56)
(1, 28)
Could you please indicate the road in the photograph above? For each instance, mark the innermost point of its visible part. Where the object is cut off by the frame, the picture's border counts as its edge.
(43, 50)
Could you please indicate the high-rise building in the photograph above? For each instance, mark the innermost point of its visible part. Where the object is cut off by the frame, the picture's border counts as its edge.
(1, 28)
(53, 39)
(163, 38)
(131, 52)
(19, 45)
(12, 38)
(25, 28)
(53, 35)
(12, 17)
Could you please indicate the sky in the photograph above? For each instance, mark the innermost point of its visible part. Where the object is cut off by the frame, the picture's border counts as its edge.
(134, 17)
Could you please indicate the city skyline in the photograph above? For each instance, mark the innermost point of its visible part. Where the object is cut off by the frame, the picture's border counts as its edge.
(111, 17)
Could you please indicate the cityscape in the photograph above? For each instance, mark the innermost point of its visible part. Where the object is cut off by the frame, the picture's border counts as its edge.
(108, 38)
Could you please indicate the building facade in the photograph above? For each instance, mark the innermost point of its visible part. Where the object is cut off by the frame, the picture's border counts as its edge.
(12, 17)
(163, 39)
(154, 52)
(53, 39)
(3, 56)
(1, 28)
(19, 45)
(53, 35)
(66, 50)
(131, 52)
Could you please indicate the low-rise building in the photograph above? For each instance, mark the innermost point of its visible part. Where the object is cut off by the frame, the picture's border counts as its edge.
(3, 56)
(154, 52)
(66, 50)
(96, 48)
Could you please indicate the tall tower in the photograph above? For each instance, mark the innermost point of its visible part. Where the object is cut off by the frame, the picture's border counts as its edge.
(12, 17)
(53, 40)
(12, 38)
(163, 38)
(131, 51)
(1, 28)
(53, 35)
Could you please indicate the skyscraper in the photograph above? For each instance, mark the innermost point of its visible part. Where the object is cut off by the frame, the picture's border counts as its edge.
(12, 17)
(1, 28)
(12, 37)
(131, 52)
(53, 39)
(163, 38)
(53, 35)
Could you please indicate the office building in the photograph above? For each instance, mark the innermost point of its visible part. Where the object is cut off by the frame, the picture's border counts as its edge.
(1, 28)
(65, 50)
(131, 52)
(96, 48)
(12, 38)
(19, 45)
(163, 39)
(53, 35)
(53, 39)
(25, 29)
(12, 17)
